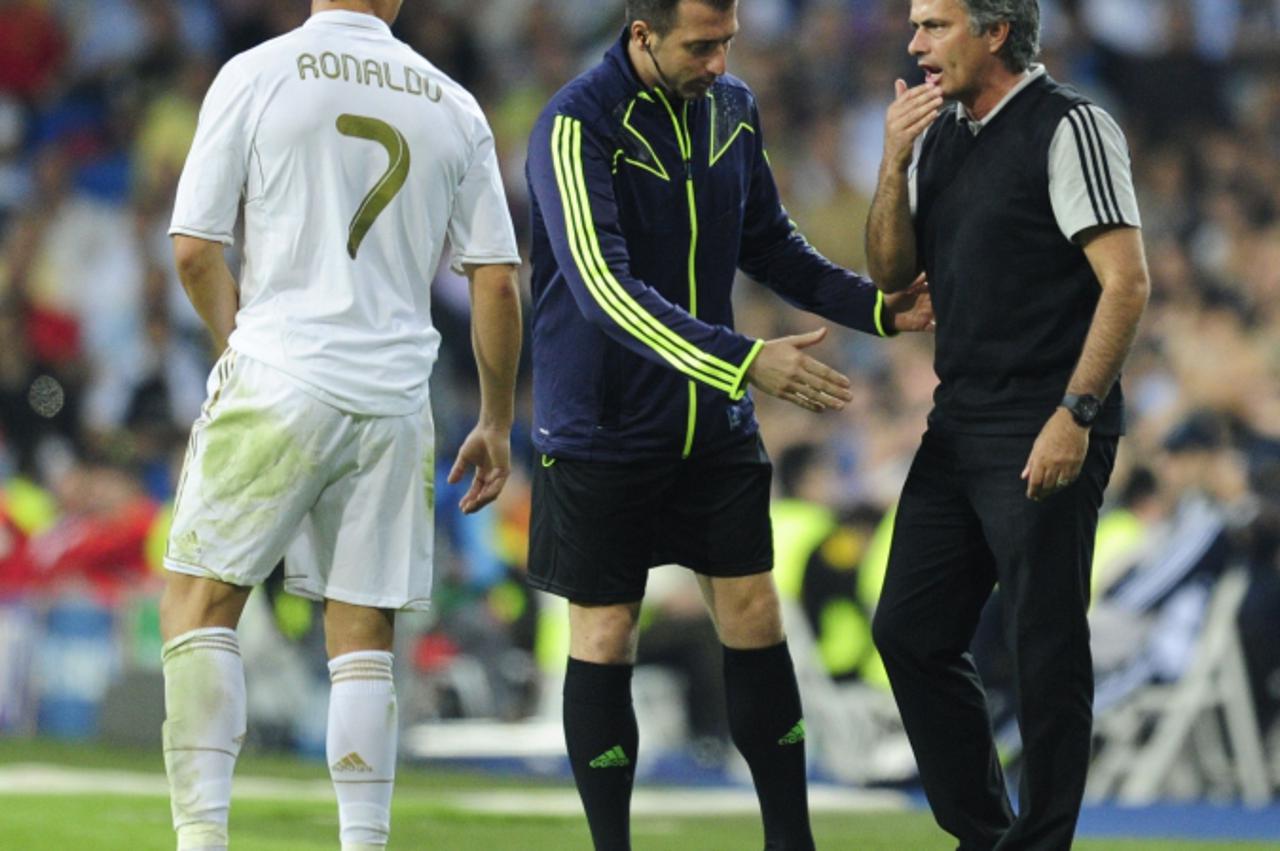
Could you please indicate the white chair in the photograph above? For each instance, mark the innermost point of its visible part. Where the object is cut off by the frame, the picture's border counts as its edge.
(1196, 736)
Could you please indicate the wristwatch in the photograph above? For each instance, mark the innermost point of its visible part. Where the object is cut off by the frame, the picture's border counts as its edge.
(1084, 408)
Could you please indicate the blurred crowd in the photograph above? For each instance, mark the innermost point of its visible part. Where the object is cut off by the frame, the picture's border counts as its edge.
(103, 361)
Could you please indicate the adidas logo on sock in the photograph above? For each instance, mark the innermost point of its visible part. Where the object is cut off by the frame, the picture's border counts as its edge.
(795, 735)
(352, 762)
(614, 757)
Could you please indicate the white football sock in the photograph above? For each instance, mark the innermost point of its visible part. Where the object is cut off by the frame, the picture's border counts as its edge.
(204, 704)
(361, 746)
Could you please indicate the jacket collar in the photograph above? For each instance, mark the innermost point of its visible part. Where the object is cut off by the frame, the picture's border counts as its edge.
(618, 58)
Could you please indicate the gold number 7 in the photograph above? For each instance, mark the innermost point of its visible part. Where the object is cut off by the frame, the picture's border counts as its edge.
(392, 180)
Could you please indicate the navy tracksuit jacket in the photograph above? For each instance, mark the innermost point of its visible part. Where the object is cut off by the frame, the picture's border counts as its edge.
(644, 208)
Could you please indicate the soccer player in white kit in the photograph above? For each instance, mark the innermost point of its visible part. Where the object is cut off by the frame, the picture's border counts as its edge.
(355, 159)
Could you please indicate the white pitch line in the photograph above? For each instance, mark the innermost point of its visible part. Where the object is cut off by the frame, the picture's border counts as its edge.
(37, 779)
(675, 802)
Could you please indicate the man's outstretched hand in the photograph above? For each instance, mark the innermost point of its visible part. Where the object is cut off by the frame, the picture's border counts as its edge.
(782, 369)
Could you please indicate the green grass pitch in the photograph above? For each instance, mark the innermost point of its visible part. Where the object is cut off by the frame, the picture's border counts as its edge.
(422, 818)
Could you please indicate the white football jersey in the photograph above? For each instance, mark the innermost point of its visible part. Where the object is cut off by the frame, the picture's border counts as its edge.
(355, 158)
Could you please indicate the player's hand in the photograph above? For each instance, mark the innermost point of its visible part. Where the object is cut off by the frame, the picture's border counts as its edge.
(911, 309)
(910, 114)
(488, 450)
(782, 369)
(1056, 457)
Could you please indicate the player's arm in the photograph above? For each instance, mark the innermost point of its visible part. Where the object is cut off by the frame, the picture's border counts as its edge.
(1091, 189)
(892, 258)
(495, 340)
(483, 240)
(775, 253)
(208, 199)
(205, 276)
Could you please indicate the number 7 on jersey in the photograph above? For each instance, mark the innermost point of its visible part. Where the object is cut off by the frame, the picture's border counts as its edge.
(392, 180)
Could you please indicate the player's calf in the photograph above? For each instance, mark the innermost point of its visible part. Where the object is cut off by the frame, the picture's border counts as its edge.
(361, 746)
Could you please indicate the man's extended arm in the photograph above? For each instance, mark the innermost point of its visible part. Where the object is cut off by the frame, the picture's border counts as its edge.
(570, 177)
(891, 239)
(205, 276)
(495, 340)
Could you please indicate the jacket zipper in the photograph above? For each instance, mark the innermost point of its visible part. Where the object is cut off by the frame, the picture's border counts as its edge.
(685, 143)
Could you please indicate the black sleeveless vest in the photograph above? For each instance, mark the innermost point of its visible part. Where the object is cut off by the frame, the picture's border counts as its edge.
(1014, 298)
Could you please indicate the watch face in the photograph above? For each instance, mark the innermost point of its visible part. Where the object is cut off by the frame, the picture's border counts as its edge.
(1085, 410)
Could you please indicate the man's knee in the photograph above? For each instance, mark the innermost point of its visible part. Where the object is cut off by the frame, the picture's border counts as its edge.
(350, 628)
(747, 611)
(892, 635)
(604, 635)
(194, 602)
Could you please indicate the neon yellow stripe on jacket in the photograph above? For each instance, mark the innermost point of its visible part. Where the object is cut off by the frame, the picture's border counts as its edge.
(605, 287)
(566, 144)
(623, 310)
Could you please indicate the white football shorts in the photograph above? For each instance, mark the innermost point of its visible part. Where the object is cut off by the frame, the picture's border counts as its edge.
(271, 472)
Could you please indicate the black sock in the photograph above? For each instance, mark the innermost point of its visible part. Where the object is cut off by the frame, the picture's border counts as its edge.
(767, 725)
(600, 732)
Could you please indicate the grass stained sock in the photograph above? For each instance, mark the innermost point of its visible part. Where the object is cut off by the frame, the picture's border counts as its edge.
(204, 705)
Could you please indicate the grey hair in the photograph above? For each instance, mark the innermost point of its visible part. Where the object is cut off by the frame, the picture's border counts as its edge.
(1023, 44)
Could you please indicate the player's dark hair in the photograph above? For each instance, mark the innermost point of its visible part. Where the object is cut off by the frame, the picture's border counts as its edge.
(660, 15)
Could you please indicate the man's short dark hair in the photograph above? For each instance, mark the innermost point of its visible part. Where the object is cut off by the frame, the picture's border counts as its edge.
(1023, 44)
(660, 15)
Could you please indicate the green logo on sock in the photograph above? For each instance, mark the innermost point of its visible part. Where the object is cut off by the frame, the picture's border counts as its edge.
(614, 757)
(795, 735)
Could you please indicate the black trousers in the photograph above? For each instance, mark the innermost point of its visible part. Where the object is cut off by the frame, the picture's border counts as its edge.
(964, 523)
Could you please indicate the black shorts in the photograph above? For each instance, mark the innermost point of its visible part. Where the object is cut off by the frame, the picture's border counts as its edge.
(597, 528)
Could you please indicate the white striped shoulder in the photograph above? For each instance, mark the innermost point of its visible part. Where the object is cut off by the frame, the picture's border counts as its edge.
(1090, 174)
